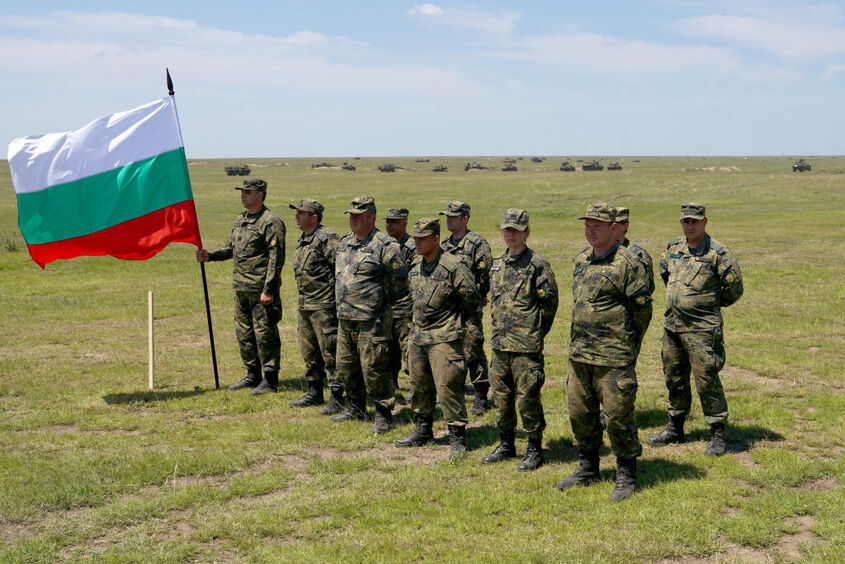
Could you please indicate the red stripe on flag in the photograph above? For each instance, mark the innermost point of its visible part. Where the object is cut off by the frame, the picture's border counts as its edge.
(136, 239)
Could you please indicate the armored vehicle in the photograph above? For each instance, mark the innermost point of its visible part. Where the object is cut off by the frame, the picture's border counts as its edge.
(801, 166)
(595, 165)
(537, 159)
(423, 160)
(347, 166)
(509, 167)
(509, 160)
(322, 164)
(474, 166)
(387, 167)
(440, 168)
(237, 170)
(565, 166)
(614, 166)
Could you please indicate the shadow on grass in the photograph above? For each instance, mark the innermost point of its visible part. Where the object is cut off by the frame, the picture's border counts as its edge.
(659, 470)
(739, 438)
(560, 450)
(651, 418)
(151, 396)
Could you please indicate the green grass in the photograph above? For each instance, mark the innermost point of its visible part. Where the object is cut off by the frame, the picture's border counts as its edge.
(94, 466)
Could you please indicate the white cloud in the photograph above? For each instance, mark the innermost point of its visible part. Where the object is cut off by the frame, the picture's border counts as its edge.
(833, 69)
(426, 10)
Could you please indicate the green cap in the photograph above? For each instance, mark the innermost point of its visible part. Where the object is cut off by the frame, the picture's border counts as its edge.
(362, 204)
(310, 206)
(692, 211)
(622, 215)
(516, 218)
(456, 208)
(426, 226)
(253, 184)
(397, 213)
(600, 211)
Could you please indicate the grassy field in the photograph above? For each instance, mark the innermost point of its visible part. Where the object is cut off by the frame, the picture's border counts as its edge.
(95, 467)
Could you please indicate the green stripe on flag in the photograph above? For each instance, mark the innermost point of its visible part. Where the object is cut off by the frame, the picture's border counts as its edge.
(104, 200)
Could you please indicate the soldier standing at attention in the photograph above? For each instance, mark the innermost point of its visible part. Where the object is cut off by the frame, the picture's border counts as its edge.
(701, 277)
(370, 272)
(476, 253)
(443, 292)
(523, 304)
(610, 314)
(396, 224)
(313, 267)
(622, 215)
(257, 247)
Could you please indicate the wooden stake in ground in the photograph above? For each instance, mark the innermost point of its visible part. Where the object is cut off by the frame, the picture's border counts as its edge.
(150, 337)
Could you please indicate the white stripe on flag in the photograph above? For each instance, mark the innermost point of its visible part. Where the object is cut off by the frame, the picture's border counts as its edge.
(40, 161)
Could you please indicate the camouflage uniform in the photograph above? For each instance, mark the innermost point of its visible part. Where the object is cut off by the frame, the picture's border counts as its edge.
(524, 300)
(257, 246)
(443, 291)
(369, 274)
(313, 267)
(610, 314)
(403, 306)
(475, 252)
(699, 282)
(622, 216)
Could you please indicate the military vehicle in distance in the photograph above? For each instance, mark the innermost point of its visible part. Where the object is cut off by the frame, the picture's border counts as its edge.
(801, 166)
(614, 166)
(509, 160)
(440, 168)
(322, 164)
(423, 160)
(509, 167)
(237, 170)
(347, 166)
(387, 167)
(537, 159)
(474, 166)
(565, 166)
(595, 165)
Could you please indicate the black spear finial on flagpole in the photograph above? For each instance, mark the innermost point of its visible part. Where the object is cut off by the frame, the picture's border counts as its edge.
(169, 82)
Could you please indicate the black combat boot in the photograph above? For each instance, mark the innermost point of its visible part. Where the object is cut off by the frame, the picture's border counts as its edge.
(626, 479)
(335, 404)
(716, 446)
(479, 402)
(533, 458)
(252, 379)
(383, 421)
(457, 441)
(586, 473)
(422, 433)
(673, 433)
(356, 410)
(314, 395)
(269, 383)
(505, 450)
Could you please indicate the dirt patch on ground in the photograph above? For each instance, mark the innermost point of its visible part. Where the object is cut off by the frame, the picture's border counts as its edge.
(744, 458)
(823, 484)
(10, 532)
(743, 374)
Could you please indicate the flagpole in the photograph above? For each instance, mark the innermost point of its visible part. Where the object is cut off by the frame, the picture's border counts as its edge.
(204, 281)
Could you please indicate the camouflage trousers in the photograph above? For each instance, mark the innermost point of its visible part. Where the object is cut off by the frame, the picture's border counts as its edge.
(361, 361)
(399, 346)
(476, 358)
(318, 343)
(702, 354)
(591, 388)
(438, 371)
(257, 331)
(516, 378)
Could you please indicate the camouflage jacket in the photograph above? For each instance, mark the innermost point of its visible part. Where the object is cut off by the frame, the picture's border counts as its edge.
(404, 304)
(611, 309)
(313, 267)
(523, 302)
(443, 292)
(699, 282)
(645, 259)
(257, 247)
(475, 251)
(369, 275)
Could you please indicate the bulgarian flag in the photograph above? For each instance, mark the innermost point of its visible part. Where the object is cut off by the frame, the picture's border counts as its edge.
(119, 186)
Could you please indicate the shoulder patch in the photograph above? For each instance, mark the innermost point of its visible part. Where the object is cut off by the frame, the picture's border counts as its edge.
(640, 300)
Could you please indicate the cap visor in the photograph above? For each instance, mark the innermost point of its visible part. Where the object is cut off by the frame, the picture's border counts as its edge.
(699, 217)
(514, 226)
(294, 207)
(355, 211)
(424, 234)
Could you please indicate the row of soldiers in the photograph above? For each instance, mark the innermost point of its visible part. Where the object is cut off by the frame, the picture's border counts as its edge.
(370, 302)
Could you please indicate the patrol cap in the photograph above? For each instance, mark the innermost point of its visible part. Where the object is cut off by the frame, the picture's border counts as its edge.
(456, 208)
(600, 211)
(362, 204)
(622, 215)
(692, 210)
(516, 218)
(397, 213)
(310, 206)
(253, 184)
(426, 226)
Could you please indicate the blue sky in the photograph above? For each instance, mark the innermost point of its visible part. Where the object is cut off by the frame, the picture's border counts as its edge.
(334, 79)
